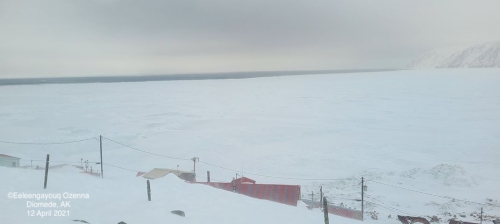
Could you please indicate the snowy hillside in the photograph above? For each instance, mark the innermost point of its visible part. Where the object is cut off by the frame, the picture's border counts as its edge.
(425, 142)
(485, 55)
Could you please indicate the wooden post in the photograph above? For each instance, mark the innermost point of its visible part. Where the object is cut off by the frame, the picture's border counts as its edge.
(100, 144)
(234, 187)
(234, 183)
(149, 191)
(46, 172)
(208, 176)
(325, 210)
(312, 200)
(481, 215)
(362, 198)
(321, 195)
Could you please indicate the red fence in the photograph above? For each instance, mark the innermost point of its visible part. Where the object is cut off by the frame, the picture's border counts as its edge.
(285, 194)
(345, 212)
(338, 210)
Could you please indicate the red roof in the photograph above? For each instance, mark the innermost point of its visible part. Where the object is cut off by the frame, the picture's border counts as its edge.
(3, 155)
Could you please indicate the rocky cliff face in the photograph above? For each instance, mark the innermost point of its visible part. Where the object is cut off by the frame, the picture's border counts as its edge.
(486, 55)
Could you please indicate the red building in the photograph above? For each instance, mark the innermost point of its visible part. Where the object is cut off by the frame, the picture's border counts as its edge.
(285, 194)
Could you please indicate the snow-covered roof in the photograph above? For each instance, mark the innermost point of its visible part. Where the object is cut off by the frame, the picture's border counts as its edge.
(161, 172)
(7, 156)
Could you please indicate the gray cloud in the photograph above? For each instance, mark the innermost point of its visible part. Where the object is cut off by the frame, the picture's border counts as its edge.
(83, 38)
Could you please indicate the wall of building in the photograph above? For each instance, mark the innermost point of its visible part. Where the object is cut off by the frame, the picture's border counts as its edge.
(5, 161)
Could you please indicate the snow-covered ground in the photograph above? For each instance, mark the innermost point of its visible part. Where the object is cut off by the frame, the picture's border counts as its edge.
(113, 200)
(428, 131)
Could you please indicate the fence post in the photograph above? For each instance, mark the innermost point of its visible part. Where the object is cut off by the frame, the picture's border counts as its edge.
(208, 176)
(312, 200)
(321, 196)
(46, 172)
(325, 210)
(100, 146)
(234, 187)
(149, 191)
(481, 215)
(362, 198)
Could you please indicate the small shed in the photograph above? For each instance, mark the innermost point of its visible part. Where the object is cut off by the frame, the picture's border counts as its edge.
(9, 161)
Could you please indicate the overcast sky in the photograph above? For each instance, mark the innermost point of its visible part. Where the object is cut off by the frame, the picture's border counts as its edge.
(129, 37)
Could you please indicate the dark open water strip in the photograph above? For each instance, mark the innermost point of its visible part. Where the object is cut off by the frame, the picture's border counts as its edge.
(199, 76)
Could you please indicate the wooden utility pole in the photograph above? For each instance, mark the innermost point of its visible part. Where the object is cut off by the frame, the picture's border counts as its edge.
(362, 198)
(208, 176)
(46, 172)
(100, 143)
(195, 159)
(325, 210)
(149, 191)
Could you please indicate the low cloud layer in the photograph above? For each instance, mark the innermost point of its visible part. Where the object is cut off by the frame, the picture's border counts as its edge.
(129, 37)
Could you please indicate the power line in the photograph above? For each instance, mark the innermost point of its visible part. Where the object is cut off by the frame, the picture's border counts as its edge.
(45, 143)
(348, 199)
(392, 209)
(378, 201)
(119, 167)
(50, 161)
(435, 195)
(170, 157)
(211, 178)
(255, 174)
(351, 199)
(55, 161)
(275, 177)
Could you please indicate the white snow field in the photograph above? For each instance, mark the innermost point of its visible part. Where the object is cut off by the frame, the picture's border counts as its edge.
(405, 132)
